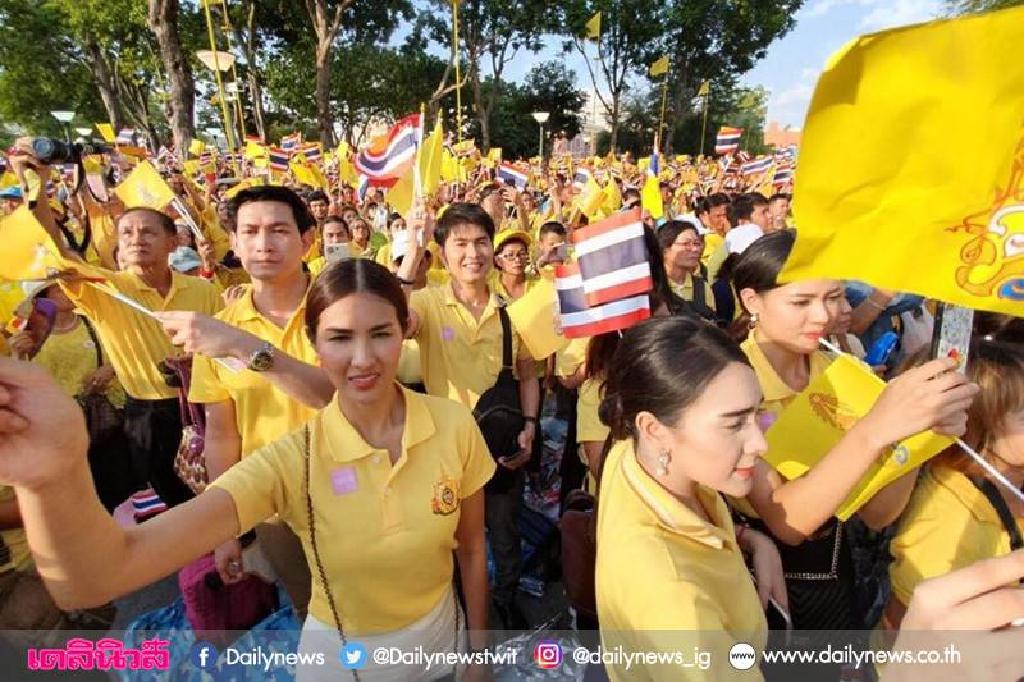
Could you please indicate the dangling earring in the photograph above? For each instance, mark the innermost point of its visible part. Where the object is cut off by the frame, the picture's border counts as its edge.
(663, 461)
(754, 320)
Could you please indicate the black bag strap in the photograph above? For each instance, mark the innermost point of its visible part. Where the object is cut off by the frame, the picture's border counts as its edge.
(988, 489)
(506, 338)
(700, 298)
(95, 340)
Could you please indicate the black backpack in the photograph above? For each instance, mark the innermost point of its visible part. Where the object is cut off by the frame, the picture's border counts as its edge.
(498, 412)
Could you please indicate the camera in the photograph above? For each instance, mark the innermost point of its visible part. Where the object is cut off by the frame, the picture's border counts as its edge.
(50, 151)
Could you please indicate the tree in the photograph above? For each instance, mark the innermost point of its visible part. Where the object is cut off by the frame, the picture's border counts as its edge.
(163, 22)
(551, 87)
(971, 6)
(326, 19)
(713, 40)
(627, 29)
(494, 30)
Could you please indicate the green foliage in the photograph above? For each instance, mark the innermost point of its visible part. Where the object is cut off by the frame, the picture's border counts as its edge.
(971, 6)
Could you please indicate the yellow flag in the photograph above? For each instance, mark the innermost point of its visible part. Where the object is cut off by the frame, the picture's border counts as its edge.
(892, 186)
(494, 154)
(449, 167)
(533, 317)
(650, 197)
(818, 418)
(255, 150)
(144, 187)
(8, 179)
(431, 158)
(29, 252)
(592, 198)
(197, 147)
(660, 67)
(402, 193)
(107, 131)
(705, 89)
(307, 174)
(245, 184)
(612, 197)
(594, 27)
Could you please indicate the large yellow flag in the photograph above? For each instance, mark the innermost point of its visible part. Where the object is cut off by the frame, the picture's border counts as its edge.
(594, 27)
(107, 131)
(144, 187)
(913, 152)
(431, 158)
(650, 196)
(534, 316)
(29, 252)
(818, 418)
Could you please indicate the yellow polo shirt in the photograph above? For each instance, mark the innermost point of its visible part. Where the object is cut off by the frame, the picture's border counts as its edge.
(572, 357)
(685, 291)
(385, 533)
(948, 524)
(712, 240)
(263, 412)
(460, 356)
(667, 580)
(494, 281)
(588, 424)
(134, 342)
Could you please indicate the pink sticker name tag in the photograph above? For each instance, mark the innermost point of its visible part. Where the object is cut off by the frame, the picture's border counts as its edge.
(343, 480)
(447, 333)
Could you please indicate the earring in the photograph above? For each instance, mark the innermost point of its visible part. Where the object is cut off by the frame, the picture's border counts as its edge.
(754, 318)
(663, 461)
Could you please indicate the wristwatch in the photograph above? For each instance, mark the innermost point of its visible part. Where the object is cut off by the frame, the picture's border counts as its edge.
(263, 359)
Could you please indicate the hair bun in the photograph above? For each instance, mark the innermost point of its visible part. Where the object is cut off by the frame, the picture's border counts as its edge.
(611, 415)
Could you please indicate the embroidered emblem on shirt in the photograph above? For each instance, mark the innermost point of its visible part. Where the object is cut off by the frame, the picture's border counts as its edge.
(446, 496)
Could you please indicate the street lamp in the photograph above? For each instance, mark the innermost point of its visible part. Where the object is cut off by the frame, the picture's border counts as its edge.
(65, 117)
(541, 117)
(217, 62)
(84, 132)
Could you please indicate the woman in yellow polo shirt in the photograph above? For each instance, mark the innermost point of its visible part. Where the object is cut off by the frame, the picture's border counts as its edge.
(952, 519)
(787, 322)
(382, 486)
(681, 247)
(510, 279)
(681, 400)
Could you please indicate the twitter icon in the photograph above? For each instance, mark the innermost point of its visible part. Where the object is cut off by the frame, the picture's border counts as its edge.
(353, 656)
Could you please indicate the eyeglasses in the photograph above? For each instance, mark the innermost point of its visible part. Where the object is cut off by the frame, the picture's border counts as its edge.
(515, 255)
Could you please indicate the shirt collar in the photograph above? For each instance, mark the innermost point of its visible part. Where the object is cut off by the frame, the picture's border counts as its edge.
(672, 514)
(246, 307)
(772, 386)
(346, 445)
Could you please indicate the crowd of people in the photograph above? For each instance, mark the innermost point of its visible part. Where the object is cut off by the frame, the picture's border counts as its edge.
(326, 360)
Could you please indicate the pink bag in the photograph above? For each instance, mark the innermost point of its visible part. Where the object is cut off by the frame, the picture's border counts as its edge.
(215, 609)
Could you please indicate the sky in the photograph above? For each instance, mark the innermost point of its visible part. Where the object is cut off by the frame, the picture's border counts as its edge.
(791, 67)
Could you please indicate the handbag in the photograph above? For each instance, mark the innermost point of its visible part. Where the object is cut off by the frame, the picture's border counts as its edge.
(498, 412)
(579, 551)
(103, 420)
(189, 462)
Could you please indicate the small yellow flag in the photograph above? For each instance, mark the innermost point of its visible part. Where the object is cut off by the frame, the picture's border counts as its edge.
(107, 131)
(431, 158)
(876, 172)
(818, 418)
(594, 27)
(660, 67)
(144, 187)
(197, 147)
(705, 89)
(29, 252)
(255, 150)
(533, 317)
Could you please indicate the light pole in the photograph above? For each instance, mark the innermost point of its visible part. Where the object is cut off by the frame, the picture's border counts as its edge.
(65, 117)
(541, 117)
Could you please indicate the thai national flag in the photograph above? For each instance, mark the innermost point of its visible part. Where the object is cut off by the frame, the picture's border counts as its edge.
(509, 174)
(278, 158)
(728, 140)
(125, 136)
(783, 175)
(387, 158)
(290, 143)
(578, 320)
(581, 178)
(364, 186)
(313, 151)
(147, 503)
(755, 167)
(612, 257)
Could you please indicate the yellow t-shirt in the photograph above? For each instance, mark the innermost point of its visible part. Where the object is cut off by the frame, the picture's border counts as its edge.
(263, 412)
(572, 357)
(494, 281)
(70, 358)
(134, 342)
(14, 551)
(948, 524)
(459, 355)
(385, 533)
(712, 240)
(588, 425)
(667, 580)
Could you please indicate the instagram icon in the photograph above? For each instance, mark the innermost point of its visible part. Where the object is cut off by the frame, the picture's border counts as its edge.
(548, 655)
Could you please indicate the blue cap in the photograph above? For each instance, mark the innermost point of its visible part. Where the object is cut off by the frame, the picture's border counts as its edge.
(11, 193)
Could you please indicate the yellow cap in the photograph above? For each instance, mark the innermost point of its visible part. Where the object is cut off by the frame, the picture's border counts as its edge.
(507, 235)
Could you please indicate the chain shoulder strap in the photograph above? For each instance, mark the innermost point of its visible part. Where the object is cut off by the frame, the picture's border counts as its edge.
(316, 552)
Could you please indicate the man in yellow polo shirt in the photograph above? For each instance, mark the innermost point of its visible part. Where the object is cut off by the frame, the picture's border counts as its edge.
(281, 386)
(135, 343)
(459, 330)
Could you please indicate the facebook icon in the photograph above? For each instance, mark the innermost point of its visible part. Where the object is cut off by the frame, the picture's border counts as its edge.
(204, 655)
